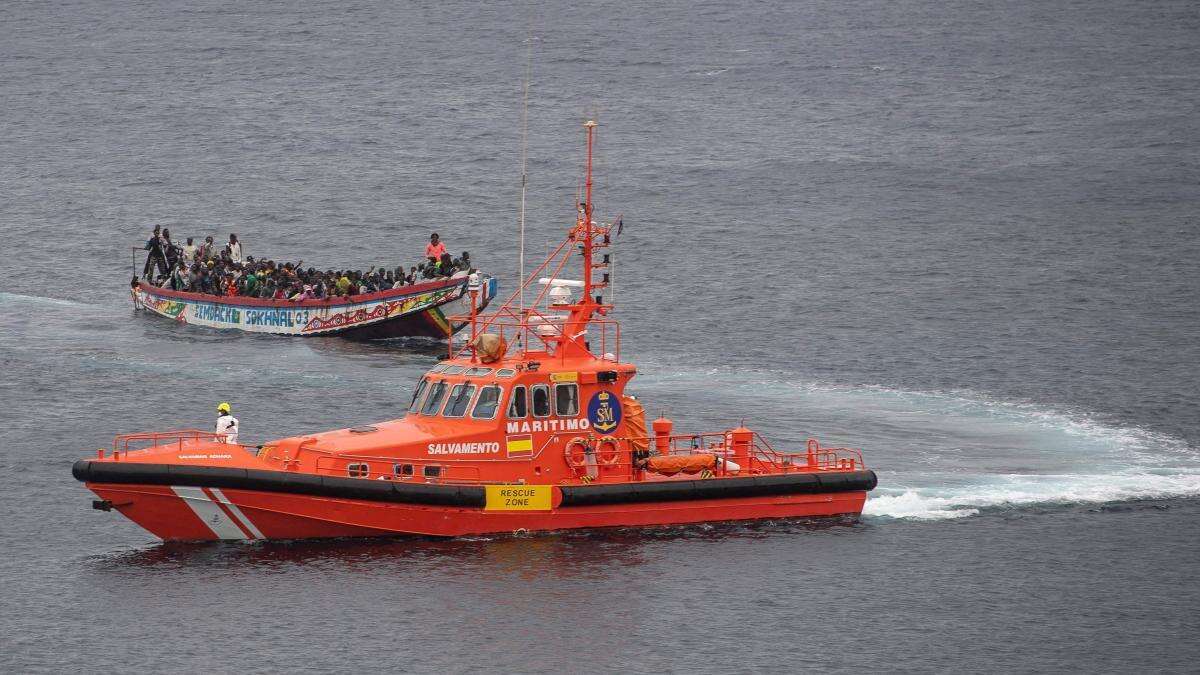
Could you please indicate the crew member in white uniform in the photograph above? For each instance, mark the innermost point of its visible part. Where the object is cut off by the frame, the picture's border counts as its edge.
(227, 425)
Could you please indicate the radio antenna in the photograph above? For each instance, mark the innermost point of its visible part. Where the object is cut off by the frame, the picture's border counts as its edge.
(524, 167)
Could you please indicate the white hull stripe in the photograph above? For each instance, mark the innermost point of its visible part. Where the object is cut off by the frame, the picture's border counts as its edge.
(209, 513)
(237, 513)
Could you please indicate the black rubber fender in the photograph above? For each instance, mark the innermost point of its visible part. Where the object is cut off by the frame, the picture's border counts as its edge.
(279, 481)
(719, 488)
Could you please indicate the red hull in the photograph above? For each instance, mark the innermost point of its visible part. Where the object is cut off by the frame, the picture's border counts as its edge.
(197, 514)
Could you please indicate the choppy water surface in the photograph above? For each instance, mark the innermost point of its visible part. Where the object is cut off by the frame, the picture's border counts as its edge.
(961, 237)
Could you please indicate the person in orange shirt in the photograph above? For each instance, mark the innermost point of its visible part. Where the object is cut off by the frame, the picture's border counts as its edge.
(435, 249)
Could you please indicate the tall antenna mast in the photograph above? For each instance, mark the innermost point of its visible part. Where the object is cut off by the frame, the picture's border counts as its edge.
(524, 168)
(590, 125)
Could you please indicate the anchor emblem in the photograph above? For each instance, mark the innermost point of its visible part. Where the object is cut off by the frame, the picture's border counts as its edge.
(604, 412)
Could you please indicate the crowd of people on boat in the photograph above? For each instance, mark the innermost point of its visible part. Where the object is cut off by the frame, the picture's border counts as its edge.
(224, 270)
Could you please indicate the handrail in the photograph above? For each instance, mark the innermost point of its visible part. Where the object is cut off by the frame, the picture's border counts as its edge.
(609, 332)
(760, 458)
(156, 439)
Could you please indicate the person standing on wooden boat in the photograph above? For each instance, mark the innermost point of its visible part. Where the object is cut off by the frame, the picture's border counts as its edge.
(227, 424)
(157, 257)
(189, 251)
(435, 249)
(170, 250)
(235, 249)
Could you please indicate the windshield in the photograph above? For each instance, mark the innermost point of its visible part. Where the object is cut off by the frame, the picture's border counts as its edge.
(460, 397)
(434, 401)
(489, 400)
(416, 399)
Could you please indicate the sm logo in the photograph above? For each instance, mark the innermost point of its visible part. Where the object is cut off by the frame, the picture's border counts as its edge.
(604, 412)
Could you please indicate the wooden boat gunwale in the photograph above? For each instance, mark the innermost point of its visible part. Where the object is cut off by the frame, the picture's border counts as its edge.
(242, 300)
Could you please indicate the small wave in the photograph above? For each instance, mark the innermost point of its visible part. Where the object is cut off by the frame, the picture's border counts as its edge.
(40, 300)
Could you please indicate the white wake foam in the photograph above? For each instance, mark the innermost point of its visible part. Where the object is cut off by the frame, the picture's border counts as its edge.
(15, 298)
(951, 454)
(940, 503)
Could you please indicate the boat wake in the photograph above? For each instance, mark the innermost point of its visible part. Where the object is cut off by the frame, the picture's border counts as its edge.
(7, 298)
(941, 503)
(948, 455)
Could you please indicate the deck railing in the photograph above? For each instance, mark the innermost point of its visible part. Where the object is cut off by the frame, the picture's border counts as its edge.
(125, 443)
(538, 328)
(758, 459)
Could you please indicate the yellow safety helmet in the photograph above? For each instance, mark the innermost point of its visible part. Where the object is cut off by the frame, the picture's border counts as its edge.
(223, 408)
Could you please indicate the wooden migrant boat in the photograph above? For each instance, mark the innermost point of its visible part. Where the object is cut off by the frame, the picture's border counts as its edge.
(411, 311)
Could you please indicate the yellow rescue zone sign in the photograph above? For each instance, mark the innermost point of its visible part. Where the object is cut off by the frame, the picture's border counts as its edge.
(519, 497)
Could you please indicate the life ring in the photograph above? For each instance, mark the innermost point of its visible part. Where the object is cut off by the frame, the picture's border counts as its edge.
(576, 452)
(607, 451)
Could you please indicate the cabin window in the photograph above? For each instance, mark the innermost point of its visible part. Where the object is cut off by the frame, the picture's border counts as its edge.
(541, 400)
(402, 470)
(505, 372)
(478, 372)
(415, 404)
(453, 370)
(439, 367)
(518, 405)
(433, 402)
(566, 400)
(486, 404)
(460, 398)
(358, 470)
(433, 471)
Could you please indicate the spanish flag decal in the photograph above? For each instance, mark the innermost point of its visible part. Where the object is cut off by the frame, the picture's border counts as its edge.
(519, 446)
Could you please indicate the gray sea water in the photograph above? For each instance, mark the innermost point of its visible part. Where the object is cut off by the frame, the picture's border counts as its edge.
(961, 236)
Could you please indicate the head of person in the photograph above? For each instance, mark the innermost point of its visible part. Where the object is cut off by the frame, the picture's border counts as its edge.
(223, 408)
(208, 240)
(157, 229)
(232, 238)
(166, 234)
(189, 241)
(434, 238)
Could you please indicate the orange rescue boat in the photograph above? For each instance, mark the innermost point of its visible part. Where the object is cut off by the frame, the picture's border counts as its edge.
(526, 428)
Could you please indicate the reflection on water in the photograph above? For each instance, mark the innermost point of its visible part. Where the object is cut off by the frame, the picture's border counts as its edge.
(565, 554)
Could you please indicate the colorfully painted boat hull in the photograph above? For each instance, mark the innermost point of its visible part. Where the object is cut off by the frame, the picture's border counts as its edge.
(411, 311)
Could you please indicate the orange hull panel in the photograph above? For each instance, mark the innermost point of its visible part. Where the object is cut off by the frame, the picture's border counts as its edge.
(197, 514)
